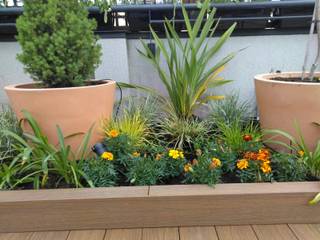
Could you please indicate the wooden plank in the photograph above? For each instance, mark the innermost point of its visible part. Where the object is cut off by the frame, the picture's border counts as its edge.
(15, 236)
(274, 232)
(58, 235)
(158, 206)
(76, 209)
(244, 232)
(124, 234)
(160, 234)
(87, 235)
(306, 231)
(228, 204)
(198, 233)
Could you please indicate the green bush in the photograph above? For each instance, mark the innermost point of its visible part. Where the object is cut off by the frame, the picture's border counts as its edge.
(100, 171)
(59, 48)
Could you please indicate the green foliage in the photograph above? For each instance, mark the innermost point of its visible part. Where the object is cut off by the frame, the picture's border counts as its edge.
(288, 167)
(230, 110)
(37, 161)
(101, 172)
(180, 133)
(8, 122)
(233, 133)
(59, 48)
(135, 121)
(188, 73)
(204, 170)
(298, 147)
(145, 171)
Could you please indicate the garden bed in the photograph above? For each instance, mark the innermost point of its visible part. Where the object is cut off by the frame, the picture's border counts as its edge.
(158, 206)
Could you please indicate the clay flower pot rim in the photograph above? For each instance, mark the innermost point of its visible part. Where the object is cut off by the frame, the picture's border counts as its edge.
(266, 78)
(25, 86)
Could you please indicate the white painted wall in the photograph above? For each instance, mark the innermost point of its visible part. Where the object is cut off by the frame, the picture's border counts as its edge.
(121, 61)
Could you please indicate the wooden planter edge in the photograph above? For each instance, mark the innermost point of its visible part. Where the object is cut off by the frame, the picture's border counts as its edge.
(158, 206)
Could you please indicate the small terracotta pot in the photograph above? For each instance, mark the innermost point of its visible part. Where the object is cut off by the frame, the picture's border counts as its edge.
(74, 109)
(282, 103)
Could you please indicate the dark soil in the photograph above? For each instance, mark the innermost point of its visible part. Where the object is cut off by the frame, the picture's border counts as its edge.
(296, 79)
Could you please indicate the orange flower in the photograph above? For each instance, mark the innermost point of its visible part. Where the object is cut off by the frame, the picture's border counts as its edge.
(194, 162)
(250, 155)
(215, 162)
(242, 164)
(247, 137)
(136, 154)
(301, 153)
(158, 156)
(113, 133)
(187, 168)
(263, 155)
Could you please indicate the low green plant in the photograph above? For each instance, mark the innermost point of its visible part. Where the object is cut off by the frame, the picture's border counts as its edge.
(9, 122)
(38, 161)
(145, 170)
(235, 133)
(229, 110)
(180, 133)
(203, 170)
(101, 172)
(135, 120)
(59, 48)
(188, 73)
(288, 167)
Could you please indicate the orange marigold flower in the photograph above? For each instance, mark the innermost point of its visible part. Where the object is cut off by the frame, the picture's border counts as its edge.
(158, 156)
(265, 167)
(113, 133)
(216, 162)
(263, 155)
(247, 137)
(194, 162)
(187, 168)
(242, 164)
(250, 155)
(136, 154)
(107, 156)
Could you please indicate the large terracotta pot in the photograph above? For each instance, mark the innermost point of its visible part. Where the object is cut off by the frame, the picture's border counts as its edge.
(282, 103)
(74, 109)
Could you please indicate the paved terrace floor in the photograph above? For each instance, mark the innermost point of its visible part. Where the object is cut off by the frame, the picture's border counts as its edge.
(245, 232)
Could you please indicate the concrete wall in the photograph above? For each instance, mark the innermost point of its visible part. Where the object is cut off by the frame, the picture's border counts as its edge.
(121, 61)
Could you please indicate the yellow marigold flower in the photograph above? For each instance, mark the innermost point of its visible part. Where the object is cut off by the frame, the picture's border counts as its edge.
(265, 167)
(187, 168)
(136, 154)
(181, 154)
(107, 156)
(175, 154)
(301, 153)
(242, 164)
(113, 133)
(158, 156)
(216, 162)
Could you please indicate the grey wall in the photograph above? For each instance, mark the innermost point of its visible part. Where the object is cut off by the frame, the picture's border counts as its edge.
(121, 61)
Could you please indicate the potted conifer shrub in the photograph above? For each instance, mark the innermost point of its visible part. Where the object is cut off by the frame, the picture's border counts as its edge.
(290, 100)
(60, 52)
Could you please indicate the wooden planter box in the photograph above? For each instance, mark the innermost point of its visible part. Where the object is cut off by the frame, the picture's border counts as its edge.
(158, 206)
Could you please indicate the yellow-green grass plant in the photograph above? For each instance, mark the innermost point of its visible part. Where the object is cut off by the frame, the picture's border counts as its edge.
(188, 73)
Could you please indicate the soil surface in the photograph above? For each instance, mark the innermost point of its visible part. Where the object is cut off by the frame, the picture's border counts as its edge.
(296, 79)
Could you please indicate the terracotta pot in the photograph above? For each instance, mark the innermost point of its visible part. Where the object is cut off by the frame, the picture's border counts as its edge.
(74, 109)
(282, 103)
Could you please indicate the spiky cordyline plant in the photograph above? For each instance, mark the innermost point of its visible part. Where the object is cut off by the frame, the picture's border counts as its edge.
(188, 73)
